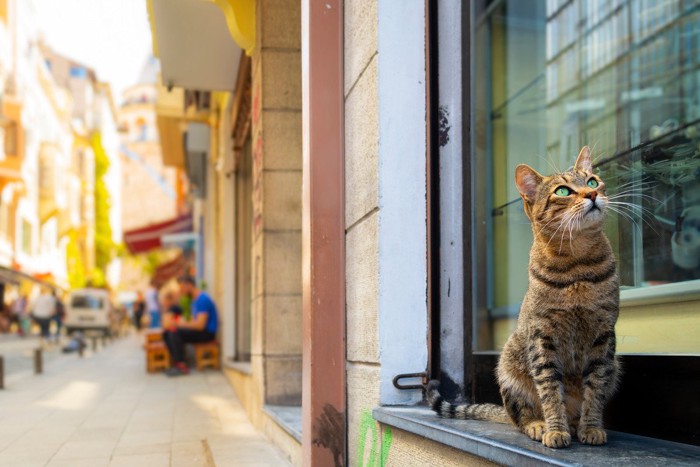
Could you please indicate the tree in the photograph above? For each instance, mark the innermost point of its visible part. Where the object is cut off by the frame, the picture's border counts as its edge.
(104, 246)
(76, 267)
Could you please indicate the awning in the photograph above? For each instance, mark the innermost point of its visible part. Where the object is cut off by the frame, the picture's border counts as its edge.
(175, 268)
(194, 45)
(8, 276)
(148, 238)
(15, 277)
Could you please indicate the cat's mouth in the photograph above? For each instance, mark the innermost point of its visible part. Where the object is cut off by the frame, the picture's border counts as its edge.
(594, 212)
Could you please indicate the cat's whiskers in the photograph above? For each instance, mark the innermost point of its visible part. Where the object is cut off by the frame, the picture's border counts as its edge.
(555, 219)
(633, 209)
(579, 217)
(642, 184)
(563, 219)
(576, 218)
(568, 226)
(631, 193)
(624, 214)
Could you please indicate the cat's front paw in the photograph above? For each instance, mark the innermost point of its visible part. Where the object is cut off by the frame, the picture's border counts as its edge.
(556, 439)
(535, 430)
(593, 436)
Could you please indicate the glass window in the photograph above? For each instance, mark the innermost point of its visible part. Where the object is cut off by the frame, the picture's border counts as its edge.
(78, 72)
(10, 138)
(87, 301)
(27, 237)
(624, 78)
(244, 246)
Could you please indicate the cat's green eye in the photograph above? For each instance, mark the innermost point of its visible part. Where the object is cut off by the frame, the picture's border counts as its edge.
(593, 183)
(562, 191)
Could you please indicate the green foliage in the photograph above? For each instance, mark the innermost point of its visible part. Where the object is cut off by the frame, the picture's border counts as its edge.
(105, 249)
(151, 261)
(74, 260)
(97, 279)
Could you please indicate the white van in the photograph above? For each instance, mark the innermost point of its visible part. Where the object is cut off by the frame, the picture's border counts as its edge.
(89, 310)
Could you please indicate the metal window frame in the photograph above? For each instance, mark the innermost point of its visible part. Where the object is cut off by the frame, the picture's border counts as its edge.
(658, 394)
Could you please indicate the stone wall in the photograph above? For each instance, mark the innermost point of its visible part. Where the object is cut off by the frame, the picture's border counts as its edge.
(361, 219)
(276, 262)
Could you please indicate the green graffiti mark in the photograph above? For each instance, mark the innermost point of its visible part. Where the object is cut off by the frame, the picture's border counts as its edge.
(368, 425)
(386, 444)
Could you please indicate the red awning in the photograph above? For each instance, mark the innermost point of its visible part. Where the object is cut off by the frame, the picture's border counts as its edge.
(174, 268)
(148, 238)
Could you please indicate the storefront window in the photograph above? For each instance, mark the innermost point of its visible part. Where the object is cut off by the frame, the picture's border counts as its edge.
(624, 78)
(244, 245)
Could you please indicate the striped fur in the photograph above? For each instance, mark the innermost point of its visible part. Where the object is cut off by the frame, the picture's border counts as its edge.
(558, 368)
(486, 412)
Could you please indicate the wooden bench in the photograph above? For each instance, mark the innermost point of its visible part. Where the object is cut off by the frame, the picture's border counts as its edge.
(157, 355)
(207, 354)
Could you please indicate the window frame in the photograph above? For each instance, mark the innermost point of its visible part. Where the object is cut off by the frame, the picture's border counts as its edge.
(241, 138)
(243, 228)
(657, 396)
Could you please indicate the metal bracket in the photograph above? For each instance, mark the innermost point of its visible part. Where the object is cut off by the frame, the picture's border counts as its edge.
(423, 376)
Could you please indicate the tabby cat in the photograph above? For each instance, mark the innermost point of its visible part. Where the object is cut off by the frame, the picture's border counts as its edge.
(558, 368)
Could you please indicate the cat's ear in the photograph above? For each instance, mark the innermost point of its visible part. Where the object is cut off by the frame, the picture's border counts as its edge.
(583, 161)
(527, 180)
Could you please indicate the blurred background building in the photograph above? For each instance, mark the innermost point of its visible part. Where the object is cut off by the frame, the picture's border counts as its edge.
(61, 188)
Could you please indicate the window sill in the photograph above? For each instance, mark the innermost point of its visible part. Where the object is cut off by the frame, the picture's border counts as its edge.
(503, 444)
(287, 417)
(659, 294)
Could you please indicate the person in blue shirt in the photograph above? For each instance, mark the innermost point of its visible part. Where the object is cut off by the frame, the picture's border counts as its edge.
(200, 327)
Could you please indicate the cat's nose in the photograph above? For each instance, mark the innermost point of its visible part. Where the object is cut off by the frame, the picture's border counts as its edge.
(591, 195)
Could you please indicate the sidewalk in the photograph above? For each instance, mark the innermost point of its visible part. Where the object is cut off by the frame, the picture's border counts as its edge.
(18, 355)
(104, 410)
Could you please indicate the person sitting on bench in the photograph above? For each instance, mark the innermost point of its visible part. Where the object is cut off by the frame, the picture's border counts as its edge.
(200, 327)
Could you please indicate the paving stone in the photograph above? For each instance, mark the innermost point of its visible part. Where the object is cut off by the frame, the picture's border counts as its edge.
(105, 410)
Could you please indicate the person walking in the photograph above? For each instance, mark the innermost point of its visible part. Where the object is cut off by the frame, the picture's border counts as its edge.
(153, 306)
(139, 310)
(200, 327)
(18, 309)
(59, 316)
(42, 311)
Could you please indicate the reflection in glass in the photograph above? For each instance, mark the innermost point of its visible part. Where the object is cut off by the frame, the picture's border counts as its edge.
(620, 76)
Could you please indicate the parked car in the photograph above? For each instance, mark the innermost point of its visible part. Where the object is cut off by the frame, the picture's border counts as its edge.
(90, 310)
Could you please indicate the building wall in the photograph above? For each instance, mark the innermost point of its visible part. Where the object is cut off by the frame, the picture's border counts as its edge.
(145, 200)
(274, 374)
(385, 192)
(276, 133)
(361, 219)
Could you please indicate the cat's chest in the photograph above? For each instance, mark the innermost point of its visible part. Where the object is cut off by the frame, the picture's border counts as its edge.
(574, 330)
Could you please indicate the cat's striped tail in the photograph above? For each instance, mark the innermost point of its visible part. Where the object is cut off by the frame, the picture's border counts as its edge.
(488, 412)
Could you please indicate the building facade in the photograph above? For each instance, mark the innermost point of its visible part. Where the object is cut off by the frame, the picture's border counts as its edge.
(362, 231)
(55, 115)
(149, 194)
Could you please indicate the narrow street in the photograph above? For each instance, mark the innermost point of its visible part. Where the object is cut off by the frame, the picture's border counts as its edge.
(105, 410)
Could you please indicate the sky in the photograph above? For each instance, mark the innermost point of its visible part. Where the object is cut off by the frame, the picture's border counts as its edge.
(112, 37)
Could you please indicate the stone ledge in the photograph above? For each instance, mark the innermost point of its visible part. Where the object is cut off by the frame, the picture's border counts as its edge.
(503, 444)
(241, 367)
(287, 417)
